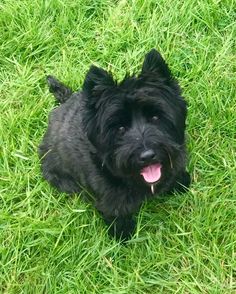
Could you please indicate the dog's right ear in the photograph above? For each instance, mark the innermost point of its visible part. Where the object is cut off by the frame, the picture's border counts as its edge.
(58, 89)
(154, 63)
(97, 80)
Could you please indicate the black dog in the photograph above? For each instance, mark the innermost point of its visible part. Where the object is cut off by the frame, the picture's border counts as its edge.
(122, 141)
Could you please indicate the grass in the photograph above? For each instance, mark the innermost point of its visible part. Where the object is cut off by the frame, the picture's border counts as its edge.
(50, 243)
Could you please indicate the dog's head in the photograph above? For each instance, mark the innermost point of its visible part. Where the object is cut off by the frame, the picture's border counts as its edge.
(137, 126)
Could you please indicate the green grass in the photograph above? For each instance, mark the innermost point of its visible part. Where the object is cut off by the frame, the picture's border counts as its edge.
(51, 243)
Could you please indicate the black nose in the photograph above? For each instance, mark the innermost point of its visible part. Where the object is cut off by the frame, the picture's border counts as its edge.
(147, 155)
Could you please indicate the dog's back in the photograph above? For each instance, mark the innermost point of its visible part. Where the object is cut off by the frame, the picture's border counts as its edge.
(56, 149)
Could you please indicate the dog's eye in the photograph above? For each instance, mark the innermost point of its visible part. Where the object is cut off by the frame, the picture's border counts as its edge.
(121, 130)
(154, 118)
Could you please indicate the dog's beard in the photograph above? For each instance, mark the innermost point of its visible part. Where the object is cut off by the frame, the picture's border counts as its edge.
(122, 162)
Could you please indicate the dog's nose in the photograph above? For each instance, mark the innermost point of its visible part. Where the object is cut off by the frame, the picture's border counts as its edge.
(147, 155)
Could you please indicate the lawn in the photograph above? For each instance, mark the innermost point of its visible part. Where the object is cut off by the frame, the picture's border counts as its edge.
(52, 243)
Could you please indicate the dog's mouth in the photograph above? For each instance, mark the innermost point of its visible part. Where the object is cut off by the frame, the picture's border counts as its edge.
(152, 174)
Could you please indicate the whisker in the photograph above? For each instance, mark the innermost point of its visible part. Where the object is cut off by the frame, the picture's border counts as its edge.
(171, 164)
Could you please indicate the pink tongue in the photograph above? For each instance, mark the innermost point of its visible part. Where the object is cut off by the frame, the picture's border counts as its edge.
(152, 173)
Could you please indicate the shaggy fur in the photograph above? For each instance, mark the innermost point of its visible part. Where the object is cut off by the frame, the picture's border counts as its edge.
(103, 137)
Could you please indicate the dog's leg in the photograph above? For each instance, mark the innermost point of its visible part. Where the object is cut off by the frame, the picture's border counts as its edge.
(63, 182)
(182, 182)
(122, 227)
(118, 213)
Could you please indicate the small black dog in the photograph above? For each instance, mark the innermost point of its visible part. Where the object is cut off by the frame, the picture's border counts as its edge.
(122, 141)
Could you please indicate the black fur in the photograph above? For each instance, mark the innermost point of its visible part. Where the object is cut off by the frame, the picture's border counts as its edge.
(102, 137)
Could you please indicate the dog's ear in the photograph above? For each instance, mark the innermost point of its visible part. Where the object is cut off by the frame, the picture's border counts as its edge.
(154, 63)
(97, 80)
(58, 89)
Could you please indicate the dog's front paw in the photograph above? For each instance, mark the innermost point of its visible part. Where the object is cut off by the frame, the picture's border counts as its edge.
(121, 228)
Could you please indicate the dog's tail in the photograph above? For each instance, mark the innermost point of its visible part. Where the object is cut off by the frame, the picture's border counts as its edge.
(58, 89)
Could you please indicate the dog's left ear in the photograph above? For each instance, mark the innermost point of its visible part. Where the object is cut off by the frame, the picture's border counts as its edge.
(97, 80)
(154, 63)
